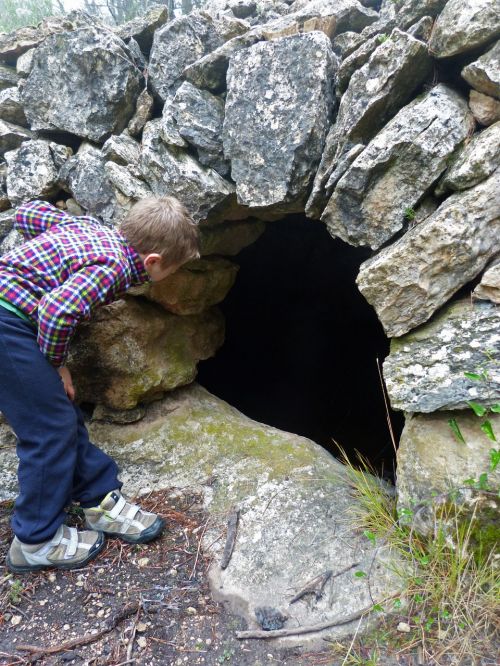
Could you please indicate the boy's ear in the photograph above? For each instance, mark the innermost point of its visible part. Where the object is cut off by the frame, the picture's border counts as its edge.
(152, 259)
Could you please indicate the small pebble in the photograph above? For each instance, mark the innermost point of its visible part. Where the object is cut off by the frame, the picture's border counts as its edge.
(143, 561)
(141, 626)
(405, 628)
(16, 619)
(191, 610)
(66, 627)
(142, 642)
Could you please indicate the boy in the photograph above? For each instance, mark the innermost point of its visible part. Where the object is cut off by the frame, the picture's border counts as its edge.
(68, 266)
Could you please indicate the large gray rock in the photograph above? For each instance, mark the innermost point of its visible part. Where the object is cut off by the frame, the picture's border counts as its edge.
(118, 361)
(127, 184)
(397, 167)
(349, 14)
(475, 162)
(33, 170)
(99, 66)
(464, 25)
(210, 70)
(142, 28)
(354, 61)
(425, 369)
(8, 77)
(296, 509)
(484, 74)
(489, 287)
(406, 12)
(178, 44)
(376, 91)
(408, 281)
(84, 176)
(11, 108)
(278, 107)
(14, 44)
(199, 116)
(170, 171)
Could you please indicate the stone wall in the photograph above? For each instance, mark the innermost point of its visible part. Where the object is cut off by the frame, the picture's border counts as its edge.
(380, 119)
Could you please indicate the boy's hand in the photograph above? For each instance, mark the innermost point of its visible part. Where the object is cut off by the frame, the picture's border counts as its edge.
(67, 381)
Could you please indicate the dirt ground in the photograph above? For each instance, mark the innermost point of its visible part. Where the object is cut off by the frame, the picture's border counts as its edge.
(142, 605)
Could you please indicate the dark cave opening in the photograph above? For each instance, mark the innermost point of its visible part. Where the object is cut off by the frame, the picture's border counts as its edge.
(302, 343)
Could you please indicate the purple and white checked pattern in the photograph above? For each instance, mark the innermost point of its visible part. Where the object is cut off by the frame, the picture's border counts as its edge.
(67, 266)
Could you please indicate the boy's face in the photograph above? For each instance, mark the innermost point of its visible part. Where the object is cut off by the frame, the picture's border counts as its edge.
(154, 268)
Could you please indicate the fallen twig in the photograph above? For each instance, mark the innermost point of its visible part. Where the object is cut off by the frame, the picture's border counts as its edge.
(232, 527)
(315, 586)
(125, 612)
(279, 633)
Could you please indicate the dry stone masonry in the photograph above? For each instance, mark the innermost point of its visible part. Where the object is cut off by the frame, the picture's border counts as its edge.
(381, 118)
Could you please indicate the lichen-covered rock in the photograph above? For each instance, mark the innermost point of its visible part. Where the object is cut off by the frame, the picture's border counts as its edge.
(119, 360)
(354, 61)
(11, 108)
(14, 44)
(194, 288)
(376, 91)
(210, 70)
(11, 241)
(33, 170)
(7, 218)
(424, 371)
(229, 239)
(191, 438)
(409, 280)
(8, 77)
(24, 63)
(143, 113)
(171, 172)
(464, 25)
(485, 109)
(84, 176)
(397, 167)
(199, 116)
(130, 186)
(406, 12)
(484, 73)
(178, 44)
(278, 107)
(142, 28)
(95, 63)
(349, 14)
(122, 149)
(431, 460)
(475, 162)
(489, 287)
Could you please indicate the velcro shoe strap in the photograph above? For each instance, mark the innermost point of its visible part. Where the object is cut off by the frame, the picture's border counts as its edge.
(116, 510)
(72, 544)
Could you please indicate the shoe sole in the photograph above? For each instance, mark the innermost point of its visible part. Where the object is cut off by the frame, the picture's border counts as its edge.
(146, 535)
(27, 568)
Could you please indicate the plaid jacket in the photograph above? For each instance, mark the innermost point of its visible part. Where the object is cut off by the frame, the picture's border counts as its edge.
(67, 266)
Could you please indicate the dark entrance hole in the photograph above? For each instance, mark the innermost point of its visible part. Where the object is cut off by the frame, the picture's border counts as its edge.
(302, 343)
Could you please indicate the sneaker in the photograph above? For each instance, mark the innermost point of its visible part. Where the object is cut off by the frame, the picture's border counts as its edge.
(68, 549)
(117, 517)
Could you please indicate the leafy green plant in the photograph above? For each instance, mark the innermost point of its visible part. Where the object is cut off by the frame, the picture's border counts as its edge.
(409, 214)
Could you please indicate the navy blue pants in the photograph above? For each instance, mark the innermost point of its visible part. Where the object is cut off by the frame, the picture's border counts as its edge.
(57, 462)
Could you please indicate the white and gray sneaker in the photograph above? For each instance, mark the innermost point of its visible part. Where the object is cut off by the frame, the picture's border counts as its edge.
(69, 548)
(117, 517)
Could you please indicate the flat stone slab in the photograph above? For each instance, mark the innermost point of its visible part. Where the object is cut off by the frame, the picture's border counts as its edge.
(424, 371)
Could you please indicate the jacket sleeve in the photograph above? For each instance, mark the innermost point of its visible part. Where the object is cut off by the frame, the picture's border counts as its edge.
(60, 310)
(35, 217)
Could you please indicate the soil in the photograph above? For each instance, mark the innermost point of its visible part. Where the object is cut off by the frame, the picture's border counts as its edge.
(150, 604)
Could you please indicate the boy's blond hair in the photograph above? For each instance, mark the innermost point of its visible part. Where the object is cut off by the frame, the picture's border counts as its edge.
(164, 226)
